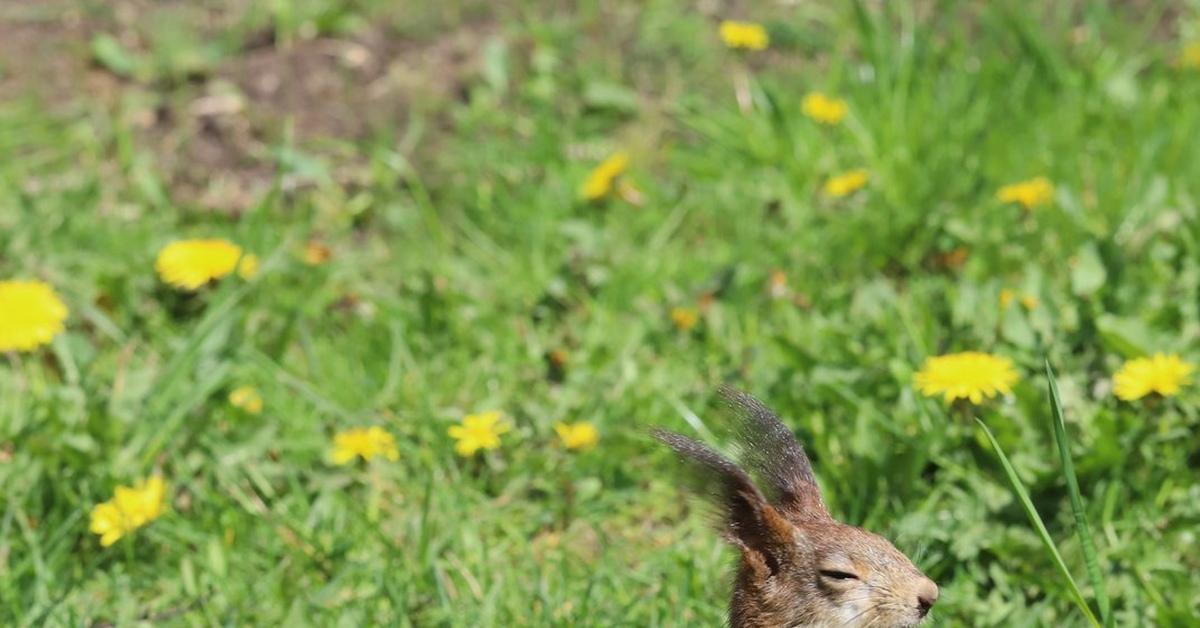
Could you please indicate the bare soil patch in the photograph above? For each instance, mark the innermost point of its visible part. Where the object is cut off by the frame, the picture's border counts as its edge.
(212, 138)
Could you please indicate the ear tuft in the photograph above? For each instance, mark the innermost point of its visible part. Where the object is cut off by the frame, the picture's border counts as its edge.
(750, 521)
(771, 450)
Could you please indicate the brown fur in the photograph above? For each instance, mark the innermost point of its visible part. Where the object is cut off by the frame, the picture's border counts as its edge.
(799, 567)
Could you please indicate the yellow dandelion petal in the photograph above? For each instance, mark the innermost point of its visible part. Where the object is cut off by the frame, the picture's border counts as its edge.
(365, 443)
(246, 398)
(1008, 296)
(31, 315)
(576, 436)
(601, 182)
(971, 375)
(846, 184)
(107, 521)
(1163, 374)
(151, 498)
(823, 109)
(684, 318)
(477, 432)
(189, 264)
(1028, 194)
(130, 508)
(744, 35)
(143, 502)
(1189, 56)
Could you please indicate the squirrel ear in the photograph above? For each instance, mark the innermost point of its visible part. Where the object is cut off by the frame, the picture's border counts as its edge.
(764, 536)
(772, 451)
(751, 523)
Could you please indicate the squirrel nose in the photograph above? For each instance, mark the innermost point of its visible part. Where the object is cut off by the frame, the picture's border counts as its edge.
(927, 595)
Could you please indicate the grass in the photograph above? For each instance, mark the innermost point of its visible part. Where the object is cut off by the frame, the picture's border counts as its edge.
(462, 258)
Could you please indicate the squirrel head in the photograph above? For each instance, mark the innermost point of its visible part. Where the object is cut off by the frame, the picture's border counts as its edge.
(799, 567)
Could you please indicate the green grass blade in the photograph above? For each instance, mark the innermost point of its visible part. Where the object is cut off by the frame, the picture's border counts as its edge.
(1040, 527)
(1090, 557)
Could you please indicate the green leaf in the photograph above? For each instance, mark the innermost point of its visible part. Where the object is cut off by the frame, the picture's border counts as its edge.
(115, 58)
(605, 95)
(1129, 337)
(1040, 527)
(1015, 327)
(495, 65)
(1090, 557)
(1087, 272)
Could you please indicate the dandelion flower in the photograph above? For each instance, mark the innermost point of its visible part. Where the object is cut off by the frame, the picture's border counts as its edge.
(366, 443)
(189, 264)
(317, 253)
(109, 523)
(1162, 374)
(823, 109)
(1029, 194)
(129, 509)
(31, 315)
(1189, 57)
(970, 375)
(684, 318)
(246, 398)
(846, 184)
(478, 431)
(602, 180)
(744, 35)
(576, 436)
(1008, 295)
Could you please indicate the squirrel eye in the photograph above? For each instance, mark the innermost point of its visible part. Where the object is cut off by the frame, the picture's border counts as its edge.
(834, 574)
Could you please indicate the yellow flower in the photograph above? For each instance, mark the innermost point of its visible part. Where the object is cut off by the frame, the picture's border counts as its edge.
(745, 35)
(478, 431)
(684, 318)
(846, 184)
(189, 264)
(1162, 374)
(364, 442)
(602, 180)
(581, 435)
(823, 109)
(129, 509)
(1029, 194)
(109, 523)
(1189, 57)
(1008, 295)
(246, 398)
(31, 315)
(969, 375)
(317, 253)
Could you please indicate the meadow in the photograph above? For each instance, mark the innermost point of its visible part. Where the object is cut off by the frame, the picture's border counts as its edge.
(502, 238)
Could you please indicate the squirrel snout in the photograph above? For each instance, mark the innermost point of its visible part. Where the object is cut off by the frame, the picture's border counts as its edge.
(927, 595)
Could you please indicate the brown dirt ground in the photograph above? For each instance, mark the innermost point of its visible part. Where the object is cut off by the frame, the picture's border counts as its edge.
(210, 137)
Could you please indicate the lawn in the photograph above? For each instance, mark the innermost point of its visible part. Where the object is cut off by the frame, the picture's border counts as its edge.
(412, 181)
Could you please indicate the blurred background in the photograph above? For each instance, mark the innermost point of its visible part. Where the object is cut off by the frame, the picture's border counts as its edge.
(484, 244)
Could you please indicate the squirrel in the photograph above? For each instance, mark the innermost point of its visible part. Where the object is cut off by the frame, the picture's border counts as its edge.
(799, 568)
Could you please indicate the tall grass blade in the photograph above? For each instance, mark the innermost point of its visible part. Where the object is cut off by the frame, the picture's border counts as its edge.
(1040, 527)
(1090, 557)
